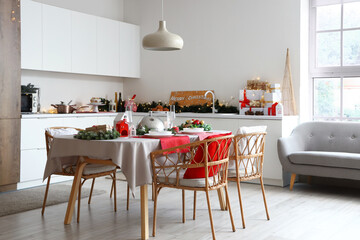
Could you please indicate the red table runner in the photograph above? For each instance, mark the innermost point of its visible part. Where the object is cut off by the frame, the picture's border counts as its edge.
(174, 141)
(202, 135)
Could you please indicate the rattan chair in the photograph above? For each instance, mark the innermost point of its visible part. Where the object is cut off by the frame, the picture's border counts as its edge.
(91, 171)
(170, 165)
(249, 158)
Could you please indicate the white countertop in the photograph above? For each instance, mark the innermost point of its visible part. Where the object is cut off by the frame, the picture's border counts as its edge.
(187, 114)
(69, 115)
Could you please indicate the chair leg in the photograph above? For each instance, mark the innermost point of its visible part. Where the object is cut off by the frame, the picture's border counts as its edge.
(114, 184)
(241, 206)
(263, 193)
(194, 210)
(183, 206)
(79, 202)
(153, 191)
(127, 198)
(222, 202)
(292, 181)
(309, 180)
(91, 190)
(112, 189)
(210, 214)
(229, 208)
(156, 194)
(45, 196)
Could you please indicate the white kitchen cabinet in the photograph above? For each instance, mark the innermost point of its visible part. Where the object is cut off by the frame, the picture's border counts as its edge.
(33, 131)
(60, 40)
(83, 43)
(108, 44)
(105, 120)
(129, 50)
(33, 147)
(31, 35)
(80, 122)
(32, 164)
(56, 39)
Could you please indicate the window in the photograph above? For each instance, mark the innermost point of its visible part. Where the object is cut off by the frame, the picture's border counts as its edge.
(335, 59)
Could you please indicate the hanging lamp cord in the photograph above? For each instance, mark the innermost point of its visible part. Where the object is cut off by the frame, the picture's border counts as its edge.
(162, 10)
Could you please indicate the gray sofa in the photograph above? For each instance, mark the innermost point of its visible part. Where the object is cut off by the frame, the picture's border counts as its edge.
(325, 149)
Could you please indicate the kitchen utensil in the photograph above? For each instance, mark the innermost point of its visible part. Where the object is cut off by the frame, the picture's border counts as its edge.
(152, 123)
(63, 108)
(96, 106)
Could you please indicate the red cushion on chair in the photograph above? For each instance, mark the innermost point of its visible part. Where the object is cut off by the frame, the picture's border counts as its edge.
(199, 158)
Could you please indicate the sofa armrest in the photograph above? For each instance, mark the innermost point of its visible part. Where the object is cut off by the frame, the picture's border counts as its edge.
(286, 146)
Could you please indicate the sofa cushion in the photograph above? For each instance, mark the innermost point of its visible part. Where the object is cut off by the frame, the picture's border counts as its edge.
(329, 136)
(327, 159)
(90, 169)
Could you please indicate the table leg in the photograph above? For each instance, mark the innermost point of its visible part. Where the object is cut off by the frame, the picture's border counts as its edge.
(144, 212)
(74, 191)
(221, 199)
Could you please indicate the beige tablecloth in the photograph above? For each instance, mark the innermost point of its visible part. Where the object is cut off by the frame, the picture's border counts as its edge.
(132, 155)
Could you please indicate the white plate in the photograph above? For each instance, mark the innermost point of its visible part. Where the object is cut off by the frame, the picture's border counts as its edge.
(220, 131)
(159, 135)
(193, 130)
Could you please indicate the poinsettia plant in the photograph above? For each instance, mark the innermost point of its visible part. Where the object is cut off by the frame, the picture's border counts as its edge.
(195, 123)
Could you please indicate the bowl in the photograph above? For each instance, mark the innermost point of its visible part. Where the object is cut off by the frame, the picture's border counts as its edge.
(193, 129)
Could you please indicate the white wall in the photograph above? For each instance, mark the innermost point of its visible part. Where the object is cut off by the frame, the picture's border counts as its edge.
(225, 43)
(56, 87)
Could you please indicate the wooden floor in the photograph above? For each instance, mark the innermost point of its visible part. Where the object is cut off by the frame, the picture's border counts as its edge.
(308, 212)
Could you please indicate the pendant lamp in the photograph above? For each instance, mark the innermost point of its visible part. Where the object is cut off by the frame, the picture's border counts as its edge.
(162, 40)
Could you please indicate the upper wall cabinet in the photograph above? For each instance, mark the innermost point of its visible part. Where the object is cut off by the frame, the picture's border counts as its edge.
(83, 42)
(31, 35)
(56, 39)
(108, 44)
(60, 40)
(129, 50)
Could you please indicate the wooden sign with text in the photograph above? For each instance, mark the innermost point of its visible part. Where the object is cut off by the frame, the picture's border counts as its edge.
(188, 98)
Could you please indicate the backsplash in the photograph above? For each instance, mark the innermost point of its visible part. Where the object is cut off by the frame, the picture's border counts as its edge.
(80, 88)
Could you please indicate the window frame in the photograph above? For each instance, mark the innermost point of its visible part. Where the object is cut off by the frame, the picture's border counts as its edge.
(328, 72)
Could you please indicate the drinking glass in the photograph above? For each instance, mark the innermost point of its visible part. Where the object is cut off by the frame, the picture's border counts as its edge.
(128, 112)
(172, 115)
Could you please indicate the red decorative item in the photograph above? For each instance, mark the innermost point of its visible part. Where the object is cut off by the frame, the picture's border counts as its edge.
(245, 102)
(123, 128)
(176, 129)
(214, 153)
(272, 109)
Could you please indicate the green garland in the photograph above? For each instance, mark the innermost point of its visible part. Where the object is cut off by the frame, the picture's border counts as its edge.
(146, 107)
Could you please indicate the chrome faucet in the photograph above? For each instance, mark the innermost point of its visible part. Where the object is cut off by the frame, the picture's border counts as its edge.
(213, 100)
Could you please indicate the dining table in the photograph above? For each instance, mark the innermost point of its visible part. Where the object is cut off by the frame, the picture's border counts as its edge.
(130, 154)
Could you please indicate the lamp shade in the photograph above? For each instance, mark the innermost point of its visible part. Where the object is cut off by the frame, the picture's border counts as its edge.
(162, 40)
